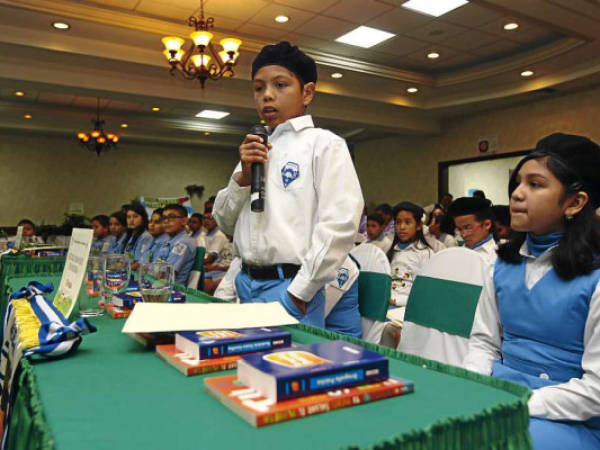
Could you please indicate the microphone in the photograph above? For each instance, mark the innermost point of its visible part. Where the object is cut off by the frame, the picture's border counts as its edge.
(257, 185)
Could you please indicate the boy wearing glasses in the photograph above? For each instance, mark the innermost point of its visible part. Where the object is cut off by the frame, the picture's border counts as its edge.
(313, 200)
(179, 250)
(474, 221)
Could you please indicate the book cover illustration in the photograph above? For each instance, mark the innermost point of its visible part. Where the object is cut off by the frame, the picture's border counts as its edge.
(188, 366)
(260, 411)
(209, 344)
(306, 370)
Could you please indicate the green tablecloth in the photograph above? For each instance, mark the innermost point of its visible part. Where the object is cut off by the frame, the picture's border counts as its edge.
(114, 394)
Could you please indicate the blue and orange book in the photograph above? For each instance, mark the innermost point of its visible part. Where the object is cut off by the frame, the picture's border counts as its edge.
(188, 366)
(129, 298)
(259, 411)
(210, 344)
(289, 373)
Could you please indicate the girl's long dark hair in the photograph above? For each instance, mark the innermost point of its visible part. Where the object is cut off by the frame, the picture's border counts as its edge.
(133, 235)
(578, 252)
(419, 236)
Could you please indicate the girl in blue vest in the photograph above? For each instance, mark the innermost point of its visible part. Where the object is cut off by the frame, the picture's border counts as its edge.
(138, 240)
(537, 319)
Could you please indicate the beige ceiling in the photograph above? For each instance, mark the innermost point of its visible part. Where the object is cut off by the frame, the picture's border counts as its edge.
(113, 52)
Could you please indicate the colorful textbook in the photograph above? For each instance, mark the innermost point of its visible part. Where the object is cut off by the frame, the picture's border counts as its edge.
(211, 344)
(300, 371)
(189, 366)
(259, 411)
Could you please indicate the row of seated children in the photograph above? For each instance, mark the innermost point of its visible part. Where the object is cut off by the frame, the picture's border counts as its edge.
(162, 237)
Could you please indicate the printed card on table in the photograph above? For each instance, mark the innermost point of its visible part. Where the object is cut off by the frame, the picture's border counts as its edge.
(74, 271)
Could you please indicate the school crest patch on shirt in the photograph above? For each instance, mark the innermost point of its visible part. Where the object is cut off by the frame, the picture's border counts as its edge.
(342, 276)
(179, 249)
(289, 172)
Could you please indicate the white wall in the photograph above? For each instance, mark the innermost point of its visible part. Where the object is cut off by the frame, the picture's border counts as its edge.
(40, 175)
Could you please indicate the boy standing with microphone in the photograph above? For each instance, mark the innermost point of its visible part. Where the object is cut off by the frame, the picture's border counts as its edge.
(313, 198)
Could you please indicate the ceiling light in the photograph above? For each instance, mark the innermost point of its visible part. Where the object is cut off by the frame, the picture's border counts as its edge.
(412, 90)
(200, 51)
(27, 116)
(97, 140)
(19, 93)
(434, 8)
(61, 25)
(511, 26)
(337, 75)
(210, 114)
(207, 133)
(527, 73)
(281, 18)
(433, 55)
(365, 37)
(124, 125)
(155, 108)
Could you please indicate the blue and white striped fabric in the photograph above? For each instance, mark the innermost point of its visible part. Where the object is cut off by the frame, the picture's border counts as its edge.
(56, 336)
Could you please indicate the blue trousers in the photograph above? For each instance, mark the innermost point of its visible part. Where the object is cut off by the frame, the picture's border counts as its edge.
(344, 318)
(250, 290)
(551, 435)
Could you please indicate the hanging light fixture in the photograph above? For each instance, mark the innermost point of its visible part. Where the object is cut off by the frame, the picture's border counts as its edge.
(201, 61)
(97, 140)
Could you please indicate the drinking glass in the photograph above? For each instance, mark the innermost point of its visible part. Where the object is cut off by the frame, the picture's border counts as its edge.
(116, 275)
(90, 297)
(155, 280)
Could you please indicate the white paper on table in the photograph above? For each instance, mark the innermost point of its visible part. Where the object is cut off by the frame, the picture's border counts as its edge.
(167, 317)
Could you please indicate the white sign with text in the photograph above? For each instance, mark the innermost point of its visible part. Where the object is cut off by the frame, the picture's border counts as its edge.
(74, 271)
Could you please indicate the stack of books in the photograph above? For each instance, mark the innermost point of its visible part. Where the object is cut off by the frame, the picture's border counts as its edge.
(291, 383)
(199, 352)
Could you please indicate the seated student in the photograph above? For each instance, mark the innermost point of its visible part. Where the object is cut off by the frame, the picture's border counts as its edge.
(117, 224)
(159, 237)
(444, 202)
(218, 253)
(341, 300)
(474, 221)
(409, 251)
(103, 240)
(362, 226)
(179, 250)
(434, 227)
(385, 211)
(28, 234)
(138, 240)
(537, 319)
(502, 229)
(196, 229)
(375, 234)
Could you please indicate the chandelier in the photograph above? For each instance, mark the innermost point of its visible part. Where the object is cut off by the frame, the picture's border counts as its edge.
(196, 63)
(97, 140)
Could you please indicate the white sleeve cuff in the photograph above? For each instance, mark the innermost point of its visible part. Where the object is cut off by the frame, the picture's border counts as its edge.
(536, 405)
(303, 288)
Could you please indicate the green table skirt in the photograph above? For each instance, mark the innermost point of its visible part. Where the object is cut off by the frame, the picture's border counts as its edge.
(114, 394)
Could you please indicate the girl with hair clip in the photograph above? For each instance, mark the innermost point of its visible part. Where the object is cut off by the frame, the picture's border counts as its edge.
(537, 319)
(138, 240)
(410, 250)
(117, 225)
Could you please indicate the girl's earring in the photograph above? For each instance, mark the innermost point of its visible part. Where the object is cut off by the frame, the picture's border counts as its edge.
(569, 217)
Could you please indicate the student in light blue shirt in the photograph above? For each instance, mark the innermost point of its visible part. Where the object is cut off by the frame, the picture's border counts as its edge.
(179, 250)
(139, 240)
(118, 228)
(159, 237)
(103, 240)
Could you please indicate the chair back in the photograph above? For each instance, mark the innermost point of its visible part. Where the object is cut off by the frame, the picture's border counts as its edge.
(374, 289)
(441, 306)
(196, 279)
